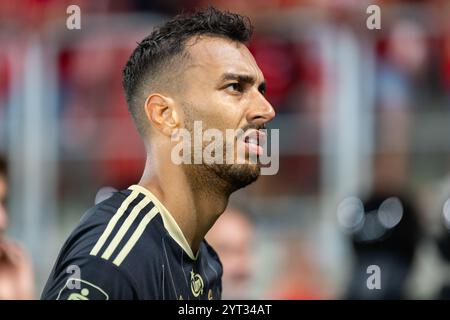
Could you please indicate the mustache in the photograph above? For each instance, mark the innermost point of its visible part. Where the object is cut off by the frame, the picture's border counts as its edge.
(253, 126)
(250, 126)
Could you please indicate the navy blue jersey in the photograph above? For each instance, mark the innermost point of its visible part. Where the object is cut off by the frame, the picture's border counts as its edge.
(130, 247)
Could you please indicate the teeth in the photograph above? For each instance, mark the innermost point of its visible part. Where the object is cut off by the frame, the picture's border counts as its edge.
(253, 140)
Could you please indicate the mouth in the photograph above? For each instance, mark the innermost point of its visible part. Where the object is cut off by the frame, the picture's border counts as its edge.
(254, 141)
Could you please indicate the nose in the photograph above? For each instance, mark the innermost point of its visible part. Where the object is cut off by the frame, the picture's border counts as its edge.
(261, 111)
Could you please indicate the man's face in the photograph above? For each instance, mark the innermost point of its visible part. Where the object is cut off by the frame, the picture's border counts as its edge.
(3, 216)
(224, 88)
(235, 252)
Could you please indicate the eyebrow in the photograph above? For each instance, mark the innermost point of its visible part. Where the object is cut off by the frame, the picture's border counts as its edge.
(243, 78)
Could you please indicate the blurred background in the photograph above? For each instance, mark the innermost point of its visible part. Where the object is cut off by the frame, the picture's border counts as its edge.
(364, 142)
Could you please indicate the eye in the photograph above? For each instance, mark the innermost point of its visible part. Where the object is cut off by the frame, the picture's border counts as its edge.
(234, 87)
(262, 88)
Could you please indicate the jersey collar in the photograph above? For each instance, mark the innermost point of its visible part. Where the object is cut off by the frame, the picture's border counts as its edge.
(169, 222)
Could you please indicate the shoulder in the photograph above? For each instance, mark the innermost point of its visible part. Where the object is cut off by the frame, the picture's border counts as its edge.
(113, 229)
(123, 232)
(90, 278)
(212, 255)
(115, 247)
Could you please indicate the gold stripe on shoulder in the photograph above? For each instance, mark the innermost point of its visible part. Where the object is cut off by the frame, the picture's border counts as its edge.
(135, 236)
(112, 222)
(124, 228)
(169, 222)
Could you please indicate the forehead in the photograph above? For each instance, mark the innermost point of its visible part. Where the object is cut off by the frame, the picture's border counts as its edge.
(215, 56)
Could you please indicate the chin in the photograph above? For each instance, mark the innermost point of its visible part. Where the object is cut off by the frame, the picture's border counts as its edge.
(238, 175)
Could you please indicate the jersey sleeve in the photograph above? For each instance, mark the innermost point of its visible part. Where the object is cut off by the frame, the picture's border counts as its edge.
(90, 278)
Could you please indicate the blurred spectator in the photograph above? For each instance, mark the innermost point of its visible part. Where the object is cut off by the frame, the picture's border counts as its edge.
(299, 276)
(16, 274)
(442, 236)
(386, 236)
(400, 83)
(232, 238)
(443, 243)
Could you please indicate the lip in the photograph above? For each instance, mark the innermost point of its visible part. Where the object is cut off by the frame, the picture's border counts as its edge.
(252, 147)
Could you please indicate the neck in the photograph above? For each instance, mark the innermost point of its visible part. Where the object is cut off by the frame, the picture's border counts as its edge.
(194, 201)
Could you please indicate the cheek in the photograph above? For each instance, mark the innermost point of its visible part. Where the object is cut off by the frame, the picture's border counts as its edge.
(224, 113)
(217, 110)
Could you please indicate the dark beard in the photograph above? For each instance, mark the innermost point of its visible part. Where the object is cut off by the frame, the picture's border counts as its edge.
(237, 176)
(222, 178)
(234, 176)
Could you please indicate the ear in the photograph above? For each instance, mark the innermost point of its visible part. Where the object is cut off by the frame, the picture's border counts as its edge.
(161, 113)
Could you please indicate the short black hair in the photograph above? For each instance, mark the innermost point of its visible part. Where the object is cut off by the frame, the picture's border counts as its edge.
(157, 52)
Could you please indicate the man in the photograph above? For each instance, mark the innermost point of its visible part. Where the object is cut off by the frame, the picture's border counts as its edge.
(16, 272)
(232, 237)
(147, 242)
